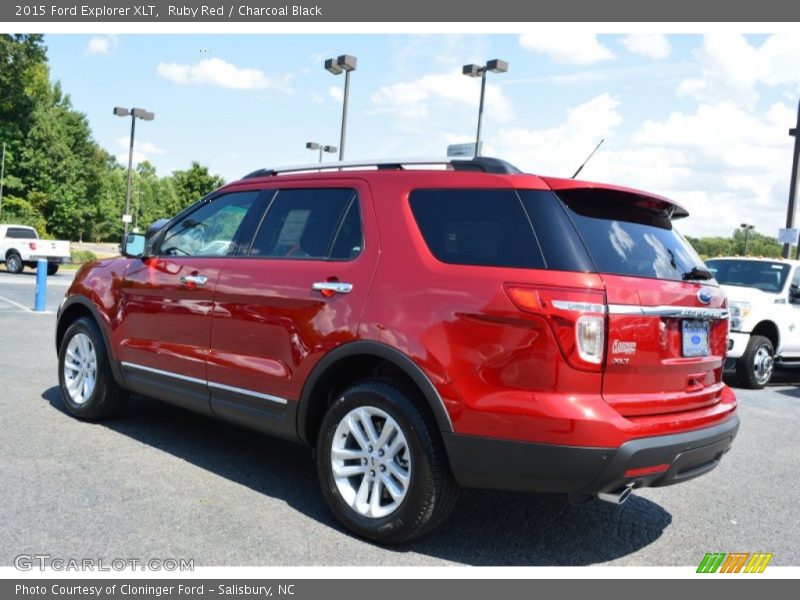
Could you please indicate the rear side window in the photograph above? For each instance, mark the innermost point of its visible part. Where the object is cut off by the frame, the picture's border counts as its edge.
(21, 233)
(310, 224)
(476, 227)
(626, 238)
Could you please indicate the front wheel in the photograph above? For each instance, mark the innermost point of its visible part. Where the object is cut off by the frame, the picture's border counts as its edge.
(754, 368)
(382, 465)
(87, 385)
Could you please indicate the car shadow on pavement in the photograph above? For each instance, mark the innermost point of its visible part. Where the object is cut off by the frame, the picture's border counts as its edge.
(486, 528)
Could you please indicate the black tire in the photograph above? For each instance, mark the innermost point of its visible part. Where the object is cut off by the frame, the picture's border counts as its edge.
(755, 367)
(107, 399)
(52, 268)
(432, 492)
(14, 263)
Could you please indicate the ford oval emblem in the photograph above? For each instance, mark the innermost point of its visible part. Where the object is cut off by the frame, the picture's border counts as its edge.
(705, 295)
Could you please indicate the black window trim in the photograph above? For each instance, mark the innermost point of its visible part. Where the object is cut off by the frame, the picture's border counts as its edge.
(354, 198)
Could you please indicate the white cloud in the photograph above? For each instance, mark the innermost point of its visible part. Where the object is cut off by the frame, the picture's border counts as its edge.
(572, 49)
(142, 151)
(651, 45)
(736, 165)
(558, 150)
(336, 93)
(218, 72)
(101, 44)
(415, 100)
(731, 68)
(726, 164)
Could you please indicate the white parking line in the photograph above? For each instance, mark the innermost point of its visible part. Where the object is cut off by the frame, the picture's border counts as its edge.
(25, 308)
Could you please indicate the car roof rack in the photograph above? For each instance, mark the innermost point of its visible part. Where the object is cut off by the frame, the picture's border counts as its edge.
(481, 164)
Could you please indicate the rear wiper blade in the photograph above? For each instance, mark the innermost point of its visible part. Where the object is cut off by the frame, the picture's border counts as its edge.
(697, 273)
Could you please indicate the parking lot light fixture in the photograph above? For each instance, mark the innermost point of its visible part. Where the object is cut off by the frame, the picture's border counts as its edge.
(321, 147)
(133, 113)
(472, 70)
(336, 66)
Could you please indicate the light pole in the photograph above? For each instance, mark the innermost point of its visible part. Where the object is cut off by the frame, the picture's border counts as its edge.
(747, 228)
(321, 147)
(133, 113)
(795, 133)
(343, 64)
(495, 66)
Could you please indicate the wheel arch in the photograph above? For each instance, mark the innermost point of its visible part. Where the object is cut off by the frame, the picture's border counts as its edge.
(769, 330)
(74, 308)
(358, 359)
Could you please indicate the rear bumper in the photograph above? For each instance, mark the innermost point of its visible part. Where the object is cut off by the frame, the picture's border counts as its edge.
(523, 466)
(53, 260)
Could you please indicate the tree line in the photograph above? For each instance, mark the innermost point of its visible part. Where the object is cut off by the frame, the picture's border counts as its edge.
(758, 244)
(57, 178)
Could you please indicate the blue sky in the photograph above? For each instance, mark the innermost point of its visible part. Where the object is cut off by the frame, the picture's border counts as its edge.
(701, 119)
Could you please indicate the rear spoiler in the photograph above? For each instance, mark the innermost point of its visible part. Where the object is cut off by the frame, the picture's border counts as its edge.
(646, 200)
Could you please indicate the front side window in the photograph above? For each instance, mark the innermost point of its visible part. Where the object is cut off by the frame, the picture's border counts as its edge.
(211, 229)
(318, 223)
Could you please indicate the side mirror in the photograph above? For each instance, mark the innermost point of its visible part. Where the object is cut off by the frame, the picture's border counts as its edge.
(133, 245)
(794, 294)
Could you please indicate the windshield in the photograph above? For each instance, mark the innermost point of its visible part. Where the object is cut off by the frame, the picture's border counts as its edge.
(625, 237)
(760, 274)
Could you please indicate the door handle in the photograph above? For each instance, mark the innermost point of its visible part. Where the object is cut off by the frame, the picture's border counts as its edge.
(329, 288)
(194, 280)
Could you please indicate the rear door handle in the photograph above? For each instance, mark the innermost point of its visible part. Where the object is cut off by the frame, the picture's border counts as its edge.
(328, 288)
(198, 280)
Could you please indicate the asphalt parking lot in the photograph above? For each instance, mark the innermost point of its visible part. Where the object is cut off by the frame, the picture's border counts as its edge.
(164, 483)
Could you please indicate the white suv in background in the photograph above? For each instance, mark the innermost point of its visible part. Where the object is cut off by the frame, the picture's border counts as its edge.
(764, 301)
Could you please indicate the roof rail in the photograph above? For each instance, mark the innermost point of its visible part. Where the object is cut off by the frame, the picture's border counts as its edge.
(481, 164)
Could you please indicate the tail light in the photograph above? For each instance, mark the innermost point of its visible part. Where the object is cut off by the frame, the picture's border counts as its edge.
(590, 332)
(576, 316)
(32, 245)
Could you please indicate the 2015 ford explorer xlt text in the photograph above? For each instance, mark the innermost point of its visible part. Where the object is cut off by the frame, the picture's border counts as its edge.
(423, 329)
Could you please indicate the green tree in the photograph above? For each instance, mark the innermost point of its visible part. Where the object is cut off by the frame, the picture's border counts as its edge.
(194, 183)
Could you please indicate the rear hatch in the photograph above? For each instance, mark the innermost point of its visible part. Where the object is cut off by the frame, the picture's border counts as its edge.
(667, 318)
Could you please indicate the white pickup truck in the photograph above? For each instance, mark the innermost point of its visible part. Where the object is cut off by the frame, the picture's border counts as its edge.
(21, 247)
(764, 305)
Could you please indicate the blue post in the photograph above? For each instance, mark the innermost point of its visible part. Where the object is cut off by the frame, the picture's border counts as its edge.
(41, 285)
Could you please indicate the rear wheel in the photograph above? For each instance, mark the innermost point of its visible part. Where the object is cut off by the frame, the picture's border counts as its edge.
(52, 268)
(14, 263)
(84, 373)
(382, 465)
(754, 368)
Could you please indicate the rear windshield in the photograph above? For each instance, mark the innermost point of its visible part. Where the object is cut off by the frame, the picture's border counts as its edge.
(763, 275)
(626, 239)
(21, 233)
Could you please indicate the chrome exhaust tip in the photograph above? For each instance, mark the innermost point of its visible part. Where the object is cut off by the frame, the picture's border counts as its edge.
(617, 496)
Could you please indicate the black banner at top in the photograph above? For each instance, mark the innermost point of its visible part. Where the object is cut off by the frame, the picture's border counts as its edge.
(242, 11)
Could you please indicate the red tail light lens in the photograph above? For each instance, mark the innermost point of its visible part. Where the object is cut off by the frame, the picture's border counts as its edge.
(32, 245)
(576, 316)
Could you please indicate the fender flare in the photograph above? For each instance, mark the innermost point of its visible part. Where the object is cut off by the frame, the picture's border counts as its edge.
(379, 350)
(84, 302)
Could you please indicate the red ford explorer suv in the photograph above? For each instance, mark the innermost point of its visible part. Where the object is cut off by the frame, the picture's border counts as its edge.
(423, 327)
